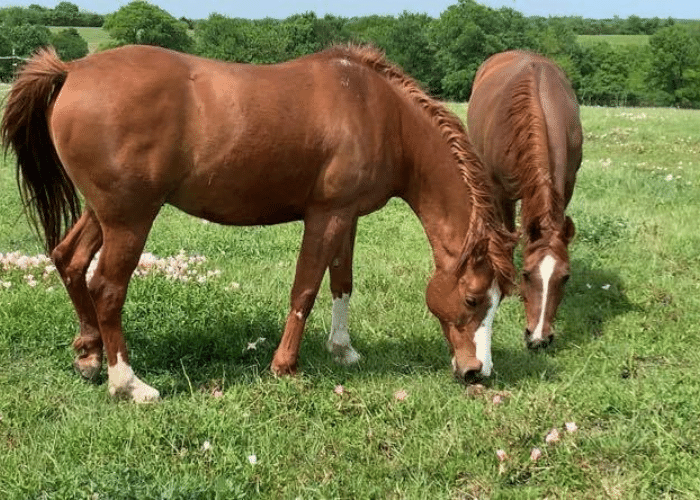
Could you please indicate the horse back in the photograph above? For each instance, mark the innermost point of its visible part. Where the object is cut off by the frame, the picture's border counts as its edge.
(221, 140)
(522, 101)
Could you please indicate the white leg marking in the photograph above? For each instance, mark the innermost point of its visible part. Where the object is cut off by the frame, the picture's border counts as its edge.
(123, 382)
(546, 271)
(339, 339)
(483, 334)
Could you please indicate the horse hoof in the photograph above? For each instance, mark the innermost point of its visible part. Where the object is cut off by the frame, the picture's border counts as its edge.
(283, 370)
(88, 366)
(343, 354)
(136, 391)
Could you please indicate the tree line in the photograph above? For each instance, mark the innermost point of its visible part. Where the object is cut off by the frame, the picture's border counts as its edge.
(442, 53)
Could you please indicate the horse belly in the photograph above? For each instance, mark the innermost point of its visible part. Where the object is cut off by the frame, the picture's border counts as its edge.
(245, 194)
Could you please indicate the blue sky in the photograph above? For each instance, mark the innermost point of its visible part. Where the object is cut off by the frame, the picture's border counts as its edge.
(256, 9)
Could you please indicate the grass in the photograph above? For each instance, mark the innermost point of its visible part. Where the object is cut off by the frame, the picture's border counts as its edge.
(614, 40)
(95, 37)
(624, 370)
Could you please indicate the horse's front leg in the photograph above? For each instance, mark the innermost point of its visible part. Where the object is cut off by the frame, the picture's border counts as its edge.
(72, 258)
(120, 255)
(341, 288)
(323, 237)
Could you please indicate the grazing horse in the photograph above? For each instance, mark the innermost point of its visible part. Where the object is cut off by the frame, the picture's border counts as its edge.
(523, 120)
(325, 139)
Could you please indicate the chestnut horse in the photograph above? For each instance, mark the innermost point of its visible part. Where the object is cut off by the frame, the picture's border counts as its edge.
(524, 122)
(324, 139)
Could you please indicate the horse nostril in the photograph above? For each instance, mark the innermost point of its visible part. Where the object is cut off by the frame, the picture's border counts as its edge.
(535, 345)
(472, 376)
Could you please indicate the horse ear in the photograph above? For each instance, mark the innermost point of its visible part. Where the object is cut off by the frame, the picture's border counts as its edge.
(534, 231)
(569, 229)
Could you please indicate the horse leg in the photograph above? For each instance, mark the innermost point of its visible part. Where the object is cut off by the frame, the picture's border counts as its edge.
(323, 236)
(341, 288)
(120, 255)
(72, 258)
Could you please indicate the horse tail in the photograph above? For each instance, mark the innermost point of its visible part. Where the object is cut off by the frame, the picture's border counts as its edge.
(46, 191)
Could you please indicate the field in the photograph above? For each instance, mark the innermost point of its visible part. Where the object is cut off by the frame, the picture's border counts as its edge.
(93, 36)
(614, 40)
(623, 374)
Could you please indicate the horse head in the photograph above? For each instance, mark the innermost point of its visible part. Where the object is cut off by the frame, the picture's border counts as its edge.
(545, 273)
(465, 299)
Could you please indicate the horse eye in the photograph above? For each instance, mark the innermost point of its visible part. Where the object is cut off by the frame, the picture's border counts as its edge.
(526, 276)
(471, 302)
(565, 278)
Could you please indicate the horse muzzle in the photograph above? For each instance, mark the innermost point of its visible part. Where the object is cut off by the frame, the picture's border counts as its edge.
(537, 343)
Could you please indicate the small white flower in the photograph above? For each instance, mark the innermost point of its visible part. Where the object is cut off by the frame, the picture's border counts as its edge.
(206, 446)
(252, 459)
(254, 345)
(606, 287)
(571, 427)
(535, 454)
(552, 437)
(668, 178)
(502, 455)
(339, 390)
(400, 395)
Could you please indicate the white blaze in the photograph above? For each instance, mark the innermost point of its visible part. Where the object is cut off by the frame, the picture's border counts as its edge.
(339, 339)
(123, 382)
(483, 334)
(546, 271)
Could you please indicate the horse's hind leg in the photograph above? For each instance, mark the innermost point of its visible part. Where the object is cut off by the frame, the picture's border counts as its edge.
(119, 257)
(323, 237)
(341, 289)
(72, 258)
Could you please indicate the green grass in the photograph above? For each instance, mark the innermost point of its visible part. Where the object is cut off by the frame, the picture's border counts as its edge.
(95, 37)
(615, 40)
(625, 369)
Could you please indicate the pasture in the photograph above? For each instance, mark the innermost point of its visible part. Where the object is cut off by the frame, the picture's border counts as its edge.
(95, 37)
(204, 319)
(614, 40)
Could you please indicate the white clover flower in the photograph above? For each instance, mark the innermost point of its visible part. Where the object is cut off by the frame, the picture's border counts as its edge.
(552, 436)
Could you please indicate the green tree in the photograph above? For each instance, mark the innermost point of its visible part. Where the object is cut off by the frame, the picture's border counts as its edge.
(6, 65)
(466, 34)
(27, 38)
(65, 14)
(299, 35)
(408, 45)
(69, 44)
(674, 73)
(143, 23)
(604, 75)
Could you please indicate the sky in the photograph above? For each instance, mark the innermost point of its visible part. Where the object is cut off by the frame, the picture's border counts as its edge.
(279, 9)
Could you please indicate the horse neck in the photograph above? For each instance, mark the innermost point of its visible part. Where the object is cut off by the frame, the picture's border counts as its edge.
(437, 193)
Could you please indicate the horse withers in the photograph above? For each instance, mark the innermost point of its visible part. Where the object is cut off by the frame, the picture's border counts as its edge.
(325, 139)
(523, 120)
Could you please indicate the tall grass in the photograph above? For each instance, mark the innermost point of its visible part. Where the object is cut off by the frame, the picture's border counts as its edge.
(624, 369)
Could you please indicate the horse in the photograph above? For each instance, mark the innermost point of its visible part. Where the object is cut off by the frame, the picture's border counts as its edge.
(323, 139)
(523, 120)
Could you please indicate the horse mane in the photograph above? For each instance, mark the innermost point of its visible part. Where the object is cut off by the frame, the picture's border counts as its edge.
(542, 204)
(483, 222)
